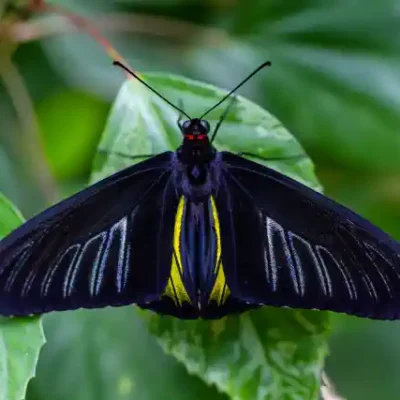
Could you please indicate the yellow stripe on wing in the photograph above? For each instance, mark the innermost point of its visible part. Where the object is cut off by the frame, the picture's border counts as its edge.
(220, 291)
(175, 288)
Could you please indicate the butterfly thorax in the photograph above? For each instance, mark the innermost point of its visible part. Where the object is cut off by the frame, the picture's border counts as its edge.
(196, 160)
(196, 151)
(197, 177)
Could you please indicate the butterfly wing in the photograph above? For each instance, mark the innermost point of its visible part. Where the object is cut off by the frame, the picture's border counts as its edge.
(103, 246)
(287, 245)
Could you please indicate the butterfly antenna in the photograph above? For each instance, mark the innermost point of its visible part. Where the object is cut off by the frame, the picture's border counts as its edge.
(129, 71)
(263, 65)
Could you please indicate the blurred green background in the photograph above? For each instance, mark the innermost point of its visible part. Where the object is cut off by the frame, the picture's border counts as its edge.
(335, 84)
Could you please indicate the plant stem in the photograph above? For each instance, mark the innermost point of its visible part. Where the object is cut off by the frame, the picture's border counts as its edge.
(80, 22)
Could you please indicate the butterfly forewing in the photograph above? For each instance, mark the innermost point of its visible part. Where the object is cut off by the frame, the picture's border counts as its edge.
(287, 245)
(104, 246)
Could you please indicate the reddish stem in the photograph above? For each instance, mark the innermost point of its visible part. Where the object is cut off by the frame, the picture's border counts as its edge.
(81, 23)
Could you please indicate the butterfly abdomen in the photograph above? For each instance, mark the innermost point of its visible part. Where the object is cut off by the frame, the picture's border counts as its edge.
(197, 286)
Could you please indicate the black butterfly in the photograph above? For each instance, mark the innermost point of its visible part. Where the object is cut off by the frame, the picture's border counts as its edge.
(199, 233)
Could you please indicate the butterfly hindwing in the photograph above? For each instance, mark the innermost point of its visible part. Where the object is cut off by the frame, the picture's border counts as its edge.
(287, 245)
(103, 246)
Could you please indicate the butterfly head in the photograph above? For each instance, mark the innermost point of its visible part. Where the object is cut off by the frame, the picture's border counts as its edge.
(195, 129)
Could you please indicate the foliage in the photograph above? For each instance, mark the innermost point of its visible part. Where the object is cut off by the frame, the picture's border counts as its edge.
(334, 83)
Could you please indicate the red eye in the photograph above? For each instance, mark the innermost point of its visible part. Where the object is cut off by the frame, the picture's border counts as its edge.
(190, 137)
(201, 137)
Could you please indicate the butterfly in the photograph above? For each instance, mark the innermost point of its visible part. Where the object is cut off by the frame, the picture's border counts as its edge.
(199, 233)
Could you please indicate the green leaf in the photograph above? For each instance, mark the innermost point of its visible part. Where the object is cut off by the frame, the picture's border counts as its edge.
(20, 338)
(263, 354)
(141, 123)
(266, 354)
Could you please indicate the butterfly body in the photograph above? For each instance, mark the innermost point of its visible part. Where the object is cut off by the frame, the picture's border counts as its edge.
(198, 288)
(243, 236)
